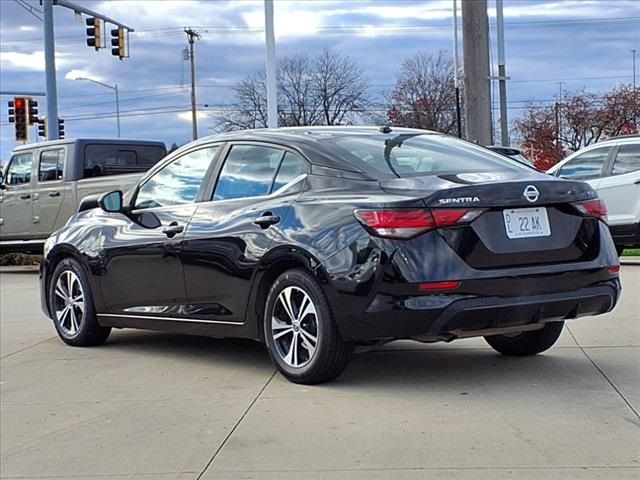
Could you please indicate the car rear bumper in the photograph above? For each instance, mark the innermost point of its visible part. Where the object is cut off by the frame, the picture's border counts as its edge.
(454, 315)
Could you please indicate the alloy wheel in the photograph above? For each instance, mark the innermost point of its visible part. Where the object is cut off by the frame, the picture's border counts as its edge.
(295, 327)
(69, 302)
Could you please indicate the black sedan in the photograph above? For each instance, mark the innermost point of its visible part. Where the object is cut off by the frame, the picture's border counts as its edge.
(315, 240)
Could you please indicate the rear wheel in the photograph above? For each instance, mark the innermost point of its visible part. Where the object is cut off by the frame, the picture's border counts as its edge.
(527, 343)
(300, 332)
(71, 304)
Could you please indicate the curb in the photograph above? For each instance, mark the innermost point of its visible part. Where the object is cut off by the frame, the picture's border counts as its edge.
(629, 260)
(20, 269)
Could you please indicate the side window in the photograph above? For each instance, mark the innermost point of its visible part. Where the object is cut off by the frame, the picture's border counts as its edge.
(586, 166)
(51, 165)
(104, 159)
(178, 182)
(247, 172)
(19, 171)
(291, 167)
(627, 160)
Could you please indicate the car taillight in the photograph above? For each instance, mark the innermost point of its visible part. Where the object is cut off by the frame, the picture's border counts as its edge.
(592, 208)
(409, 222)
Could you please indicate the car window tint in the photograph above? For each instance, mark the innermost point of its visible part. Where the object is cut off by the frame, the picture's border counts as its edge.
(247, 172)
(178, 182)
(115, 159)
(585, 166)
(19, 171)
(291, 167)
(627, 160)
(51, 165)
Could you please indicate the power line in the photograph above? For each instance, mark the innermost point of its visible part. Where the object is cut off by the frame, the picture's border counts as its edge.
(330, 29)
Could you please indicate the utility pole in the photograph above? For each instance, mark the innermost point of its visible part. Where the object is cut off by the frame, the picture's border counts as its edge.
(502, 76)
(272, 93)
(456, 81)
(50, 71)
(558, 105)
(477, 88)
(633, 54)
(191, 37)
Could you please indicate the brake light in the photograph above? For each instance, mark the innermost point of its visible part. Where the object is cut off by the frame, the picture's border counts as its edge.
(593, 208)
(408, 223)
(445, 285)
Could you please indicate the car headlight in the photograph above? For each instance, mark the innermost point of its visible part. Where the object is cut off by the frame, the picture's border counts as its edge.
(48, 245)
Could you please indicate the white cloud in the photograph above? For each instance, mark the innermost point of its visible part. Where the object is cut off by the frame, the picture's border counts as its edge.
(186, 116)
(28, 61)
(79, 74)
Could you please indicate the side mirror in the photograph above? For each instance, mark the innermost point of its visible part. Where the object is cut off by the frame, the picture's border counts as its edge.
(2, 185)
(111, 201)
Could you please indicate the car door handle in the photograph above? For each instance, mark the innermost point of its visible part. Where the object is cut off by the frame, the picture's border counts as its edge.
(266, 220)
(25, 196)
(173, 229)
(54, 194)
(637, 182)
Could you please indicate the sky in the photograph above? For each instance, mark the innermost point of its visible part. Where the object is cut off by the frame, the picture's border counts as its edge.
(581, 43)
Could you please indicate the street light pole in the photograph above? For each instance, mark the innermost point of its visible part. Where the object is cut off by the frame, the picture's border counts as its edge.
(110, 87)
(117, 108)
(50, 71)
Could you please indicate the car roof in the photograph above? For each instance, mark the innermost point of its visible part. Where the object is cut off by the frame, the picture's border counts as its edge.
(307, 140)
(83, 141)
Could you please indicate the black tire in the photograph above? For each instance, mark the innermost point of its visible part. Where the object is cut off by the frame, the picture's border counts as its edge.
(79, 326)
(331, 354)
(619, 249)
(527, 343)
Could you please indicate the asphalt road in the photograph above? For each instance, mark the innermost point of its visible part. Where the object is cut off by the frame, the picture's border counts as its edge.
(159, 406)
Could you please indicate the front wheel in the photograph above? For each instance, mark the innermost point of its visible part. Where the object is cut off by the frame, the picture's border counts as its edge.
(300, 332)
(71, 305)
(527, 343)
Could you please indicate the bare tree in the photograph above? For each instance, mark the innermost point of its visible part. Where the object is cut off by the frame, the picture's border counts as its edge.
(340, 86)
(329, 89)
(424, 93)
(297, 102)
(250, 110)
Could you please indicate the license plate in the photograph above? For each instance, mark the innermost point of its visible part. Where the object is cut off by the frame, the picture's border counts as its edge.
(526, 222)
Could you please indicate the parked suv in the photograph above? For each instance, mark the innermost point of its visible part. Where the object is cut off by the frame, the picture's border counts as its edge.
(612, 168)
(42, 184)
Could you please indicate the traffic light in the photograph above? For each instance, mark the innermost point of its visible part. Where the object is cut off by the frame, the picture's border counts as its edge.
(20, 106)
(42, 127)
(32, 111)
(60, 128)
(12, 112)
(94, 32)
(118, 41)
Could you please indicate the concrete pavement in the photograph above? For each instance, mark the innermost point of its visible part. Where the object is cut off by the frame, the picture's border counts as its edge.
(159, 406)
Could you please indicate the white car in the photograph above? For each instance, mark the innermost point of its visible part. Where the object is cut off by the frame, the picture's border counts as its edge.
(612, 168)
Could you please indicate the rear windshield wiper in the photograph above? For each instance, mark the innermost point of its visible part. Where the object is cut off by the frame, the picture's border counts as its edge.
(391, 143)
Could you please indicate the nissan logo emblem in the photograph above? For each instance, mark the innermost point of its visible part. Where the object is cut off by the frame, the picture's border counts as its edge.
(531, 193)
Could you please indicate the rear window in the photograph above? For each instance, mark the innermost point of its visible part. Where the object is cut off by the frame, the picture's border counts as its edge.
(627, 160)
(103, 159)
(405, 155)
